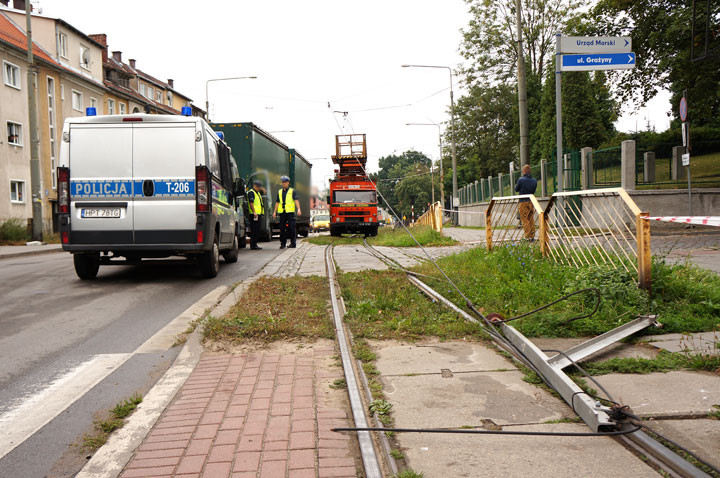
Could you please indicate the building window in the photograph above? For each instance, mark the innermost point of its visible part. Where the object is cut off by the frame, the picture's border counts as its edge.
(14, 133)
(63, 45)
(122, 108)
(151, 92)
(93, 102)
(158, 96)
(17, 191)
(85, 57)
(143, 89)
(11, 74)
(111, 107)
(62, 92)
(77, 100)
(170, 98)
(51, 129)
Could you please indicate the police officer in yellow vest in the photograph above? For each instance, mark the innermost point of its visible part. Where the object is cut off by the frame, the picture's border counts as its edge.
(287, 204)
(257, 210)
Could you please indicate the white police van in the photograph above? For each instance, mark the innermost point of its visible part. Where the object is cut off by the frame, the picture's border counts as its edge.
(147, 186)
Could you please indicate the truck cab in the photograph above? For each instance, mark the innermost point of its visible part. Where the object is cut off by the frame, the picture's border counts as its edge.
(146, 186)
(353, 197)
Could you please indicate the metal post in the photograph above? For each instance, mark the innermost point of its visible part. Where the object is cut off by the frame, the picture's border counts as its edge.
(543, 178)
(452, 145)
(644, 256)
(558, 114)
(35, 171)
(522, 90)
(207, 98)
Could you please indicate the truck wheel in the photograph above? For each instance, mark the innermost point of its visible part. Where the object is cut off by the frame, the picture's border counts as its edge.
(305, 232)
(373, 231)
(334, 232)
(231, 256)
(86, 265)
(210, 261)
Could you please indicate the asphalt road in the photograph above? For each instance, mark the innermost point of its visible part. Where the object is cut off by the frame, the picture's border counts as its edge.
(55, 328)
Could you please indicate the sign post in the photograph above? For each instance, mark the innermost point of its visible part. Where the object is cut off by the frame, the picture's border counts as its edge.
(683, 110)
(585, 54)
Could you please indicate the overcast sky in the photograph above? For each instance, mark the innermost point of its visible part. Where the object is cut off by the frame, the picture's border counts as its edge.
(306, 54)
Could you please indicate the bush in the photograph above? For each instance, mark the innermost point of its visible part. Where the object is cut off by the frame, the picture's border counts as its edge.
(14, 230)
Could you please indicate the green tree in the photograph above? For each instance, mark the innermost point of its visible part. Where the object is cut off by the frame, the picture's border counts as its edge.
(490, 41)
(661, 33)
(404, 180)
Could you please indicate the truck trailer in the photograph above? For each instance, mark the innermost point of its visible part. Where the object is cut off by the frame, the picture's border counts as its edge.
(259, 155)
(353, 197)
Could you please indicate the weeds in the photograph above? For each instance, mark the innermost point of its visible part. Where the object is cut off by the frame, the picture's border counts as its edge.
(104, 427)
(387, 236)
(14, 230)
(664, 362)
(516, 279)
(385, 305)
(408, 473)
(273, 309)
(715, 414)
(338, 384)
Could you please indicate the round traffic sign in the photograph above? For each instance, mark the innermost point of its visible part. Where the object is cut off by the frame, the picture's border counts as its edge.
(683, 109)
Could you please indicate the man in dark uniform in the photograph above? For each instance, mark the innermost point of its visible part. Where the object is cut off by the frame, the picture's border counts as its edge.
(287, 204)
(257, 210)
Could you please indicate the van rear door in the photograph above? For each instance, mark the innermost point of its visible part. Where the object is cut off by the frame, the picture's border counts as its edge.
(101, 188)
(163, 157)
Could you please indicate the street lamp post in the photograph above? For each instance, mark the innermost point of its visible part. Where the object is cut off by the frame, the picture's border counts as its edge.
(207, 83)
(452, 132)
(442, 173)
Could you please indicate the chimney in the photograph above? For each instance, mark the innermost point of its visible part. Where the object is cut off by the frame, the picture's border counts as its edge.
(132, 63)
(101, 38)
(171, 83)
(117, 56)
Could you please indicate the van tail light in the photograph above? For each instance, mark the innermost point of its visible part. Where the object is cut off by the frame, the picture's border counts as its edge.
(63, 175)
(202, 180)
(65, 236)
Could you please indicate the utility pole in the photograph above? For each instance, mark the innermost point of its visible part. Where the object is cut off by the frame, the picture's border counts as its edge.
(558, 116)
(522, 90)
(35, 172)
(452, 150)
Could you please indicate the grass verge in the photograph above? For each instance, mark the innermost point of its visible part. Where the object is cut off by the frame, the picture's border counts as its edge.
(516, 279)
(387, 236)
(116, 419)
(664, 362)
(273, 309)
(385, 305)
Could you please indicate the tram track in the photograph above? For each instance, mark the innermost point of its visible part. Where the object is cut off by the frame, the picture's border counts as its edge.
(627, 428)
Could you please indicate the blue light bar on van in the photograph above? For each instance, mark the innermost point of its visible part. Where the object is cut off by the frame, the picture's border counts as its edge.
(220, 134)
(90, 111)
(186, 111)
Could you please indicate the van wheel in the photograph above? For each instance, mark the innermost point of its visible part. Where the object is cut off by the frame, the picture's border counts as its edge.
(242, 240)
(210, 261)
(86, 265)
(231, 256)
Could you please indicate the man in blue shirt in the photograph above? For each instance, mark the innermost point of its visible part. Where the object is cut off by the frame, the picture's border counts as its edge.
(526, 184)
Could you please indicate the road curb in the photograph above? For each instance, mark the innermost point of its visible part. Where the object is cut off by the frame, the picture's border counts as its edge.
(13, 255)
(111, 458)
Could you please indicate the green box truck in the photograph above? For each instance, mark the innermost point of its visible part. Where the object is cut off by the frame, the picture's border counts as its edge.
(261, 156)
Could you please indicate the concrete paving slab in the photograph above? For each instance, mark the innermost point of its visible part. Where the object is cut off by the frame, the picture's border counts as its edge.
(665, 394)
(398, 358)
(466, 399)
(492, 455)
(356, 258)
(617, 350)
(701, 436)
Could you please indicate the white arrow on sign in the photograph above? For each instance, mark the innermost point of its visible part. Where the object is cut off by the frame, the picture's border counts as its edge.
(595, 44)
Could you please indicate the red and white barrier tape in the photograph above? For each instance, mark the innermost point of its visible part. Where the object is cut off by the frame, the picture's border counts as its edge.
(698, 220)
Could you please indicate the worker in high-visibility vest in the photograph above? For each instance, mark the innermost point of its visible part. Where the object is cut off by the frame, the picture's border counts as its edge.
(257, 210)
(287, 205)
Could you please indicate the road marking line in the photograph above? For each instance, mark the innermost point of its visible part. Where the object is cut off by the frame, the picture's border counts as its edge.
(37, 410)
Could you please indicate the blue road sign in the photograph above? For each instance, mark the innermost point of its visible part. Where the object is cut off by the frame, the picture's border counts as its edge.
(598, 61)
(683, 109)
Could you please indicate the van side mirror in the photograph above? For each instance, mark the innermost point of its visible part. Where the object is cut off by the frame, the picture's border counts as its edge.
(239, 187)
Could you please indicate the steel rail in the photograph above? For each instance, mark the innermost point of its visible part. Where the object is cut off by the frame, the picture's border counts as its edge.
(658, 453)
(370, 460)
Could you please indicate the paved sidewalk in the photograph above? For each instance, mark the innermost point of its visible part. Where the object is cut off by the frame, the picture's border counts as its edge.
(262, 414)
(7, 252)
